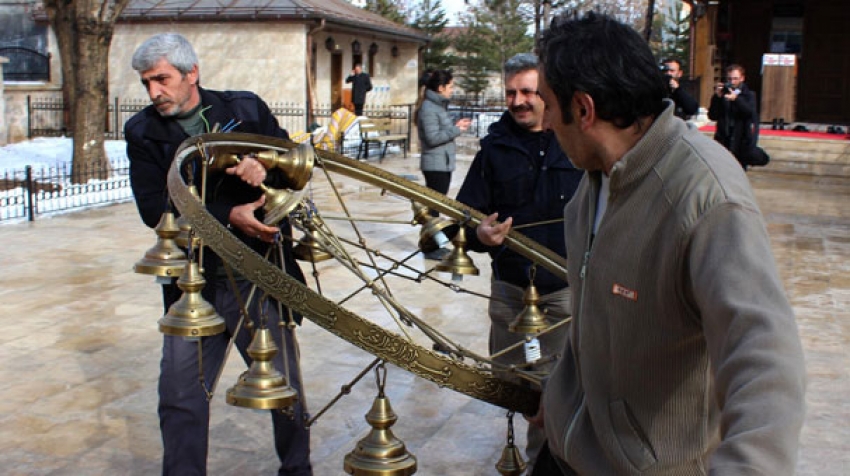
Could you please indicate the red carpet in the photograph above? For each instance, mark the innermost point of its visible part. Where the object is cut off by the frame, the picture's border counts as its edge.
(789, 133)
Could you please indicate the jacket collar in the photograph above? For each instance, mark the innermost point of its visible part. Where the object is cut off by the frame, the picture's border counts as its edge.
(506, 133)
(649, 150)
(164, 129)
(436, 97)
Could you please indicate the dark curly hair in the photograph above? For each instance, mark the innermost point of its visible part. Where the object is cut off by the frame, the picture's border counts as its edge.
(606, 59)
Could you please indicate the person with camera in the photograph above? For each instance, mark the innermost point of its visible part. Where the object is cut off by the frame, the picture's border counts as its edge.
(733, 106)
(686, 105)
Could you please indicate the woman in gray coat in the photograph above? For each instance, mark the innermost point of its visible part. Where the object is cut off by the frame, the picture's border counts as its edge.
(437, 132)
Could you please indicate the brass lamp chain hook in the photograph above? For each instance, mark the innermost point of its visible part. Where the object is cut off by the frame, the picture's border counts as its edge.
(510, 417)
(381, 378)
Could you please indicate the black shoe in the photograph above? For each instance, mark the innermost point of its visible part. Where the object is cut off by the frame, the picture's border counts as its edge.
(775, 124)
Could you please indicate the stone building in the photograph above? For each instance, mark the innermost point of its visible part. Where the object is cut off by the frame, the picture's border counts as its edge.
(288, 51)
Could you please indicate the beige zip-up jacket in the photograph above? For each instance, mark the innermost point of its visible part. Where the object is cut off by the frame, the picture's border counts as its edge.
(684, 356)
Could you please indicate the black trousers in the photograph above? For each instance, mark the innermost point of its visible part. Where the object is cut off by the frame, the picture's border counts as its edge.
(358, 109)
(547, 465)
(184, 410)
(437, 181)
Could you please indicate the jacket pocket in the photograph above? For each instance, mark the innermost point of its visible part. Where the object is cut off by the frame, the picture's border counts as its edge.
(630, 436)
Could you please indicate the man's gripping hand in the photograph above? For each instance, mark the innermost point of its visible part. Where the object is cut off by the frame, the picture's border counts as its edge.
(242, 217)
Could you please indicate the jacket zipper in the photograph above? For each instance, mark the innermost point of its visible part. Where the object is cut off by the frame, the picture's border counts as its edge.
(576, 329)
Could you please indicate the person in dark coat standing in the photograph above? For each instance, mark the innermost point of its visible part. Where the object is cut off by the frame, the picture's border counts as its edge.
(168, 68)
(361, 84)
(733, 106)
(522, 177)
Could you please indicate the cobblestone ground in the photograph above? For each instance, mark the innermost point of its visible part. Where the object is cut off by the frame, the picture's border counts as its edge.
(79, 354)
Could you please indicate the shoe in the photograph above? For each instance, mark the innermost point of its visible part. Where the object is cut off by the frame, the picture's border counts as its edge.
(801, 128)
(437, 255)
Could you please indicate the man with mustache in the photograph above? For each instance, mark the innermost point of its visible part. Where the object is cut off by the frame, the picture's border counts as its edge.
(521, 176)
(168, 69)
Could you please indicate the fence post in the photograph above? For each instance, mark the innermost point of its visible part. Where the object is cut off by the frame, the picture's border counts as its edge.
(115, 118)
(29, 186)
(29, 116)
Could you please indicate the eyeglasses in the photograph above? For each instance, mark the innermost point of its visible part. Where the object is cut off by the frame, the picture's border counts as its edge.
(512, 93)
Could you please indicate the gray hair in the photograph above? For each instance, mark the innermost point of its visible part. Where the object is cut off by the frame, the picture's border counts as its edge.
(519, 63)
(175, 48)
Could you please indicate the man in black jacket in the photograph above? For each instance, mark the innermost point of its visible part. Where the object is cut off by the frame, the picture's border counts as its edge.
(168, 68)
(360, 85)
(521, 176)
(686, 105)
(734, 107)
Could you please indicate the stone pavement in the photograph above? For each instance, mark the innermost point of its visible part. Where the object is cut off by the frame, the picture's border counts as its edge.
(80, 350)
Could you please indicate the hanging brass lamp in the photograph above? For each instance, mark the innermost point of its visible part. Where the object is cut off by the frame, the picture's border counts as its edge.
(380, 453)
(279, 202)
(262, 387)
(165, 259)
(511, 462)
(531, 320)
(308, 248)
(191, 315)
(458, 261)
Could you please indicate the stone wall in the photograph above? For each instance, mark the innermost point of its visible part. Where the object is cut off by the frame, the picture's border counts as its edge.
(235, 55)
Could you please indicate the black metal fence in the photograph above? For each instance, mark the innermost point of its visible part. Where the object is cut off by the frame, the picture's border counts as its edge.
(47, 116)
(30, 192)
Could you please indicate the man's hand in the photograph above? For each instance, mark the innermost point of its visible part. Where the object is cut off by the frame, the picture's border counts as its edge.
(242, 217)
(491, 233)
(250, 170)
(674, 84)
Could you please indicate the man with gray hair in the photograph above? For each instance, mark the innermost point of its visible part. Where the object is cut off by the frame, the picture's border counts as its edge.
(520, 175)
(168, 69)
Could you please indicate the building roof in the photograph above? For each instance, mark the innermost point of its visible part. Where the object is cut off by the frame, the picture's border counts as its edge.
(336, 13)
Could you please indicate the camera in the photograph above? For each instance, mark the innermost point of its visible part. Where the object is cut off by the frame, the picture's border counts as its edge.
(727, 88)
(665, 70)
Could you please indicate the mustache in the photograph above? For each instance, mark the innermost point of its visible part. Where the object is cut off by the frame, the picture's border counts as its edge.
(521, 108)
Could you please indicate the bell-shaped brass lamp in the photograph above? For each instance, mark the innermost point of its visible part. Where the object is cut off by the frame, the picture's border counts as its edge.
(511, 462)
(380, 453)
(308, 248)
(165, 259)
(458, 261)
(262, 387)
(435, 231)
(191, 315)
(279, 202)
(531, 319)
(296, 164)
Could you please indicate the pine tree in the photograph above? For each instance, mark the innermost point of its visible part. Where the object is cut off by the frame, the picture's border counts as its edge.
(389, 9)
(431, 19)
(474, 65)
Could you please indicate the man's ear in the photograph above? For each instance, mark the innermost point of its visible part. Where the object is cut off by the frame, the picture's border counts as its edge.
(584, 109)
(193, 75)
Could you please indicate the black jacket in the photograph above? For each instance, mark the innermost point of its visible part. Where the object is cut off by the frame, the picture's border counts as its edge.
(686, 105)
(360, 85)
(737, 123)
(152, 141)
(505, 178)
